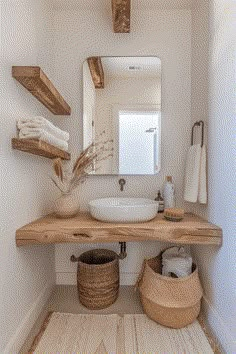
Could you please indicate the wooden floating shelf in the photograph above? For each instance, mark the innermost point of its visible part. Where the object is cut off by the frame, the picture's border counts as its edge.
(38, 84)
(121, 16)
(39, 147)
(192, 230)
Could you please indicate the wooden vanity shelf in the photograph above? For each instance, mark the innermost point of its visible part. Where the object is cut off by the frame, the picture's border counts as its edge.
(39, 85)
(39, 147)
(192, 230)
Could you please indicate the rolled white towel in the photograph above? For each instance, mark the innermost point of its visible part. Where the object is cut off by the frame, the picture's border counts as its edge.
(43, 123)
(43, 135)
(180, 266)
(175, 260)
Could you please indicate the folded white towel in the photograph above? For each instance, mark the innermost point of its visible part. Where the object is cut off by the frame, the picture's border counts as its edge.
(202, 191)
(192, 174)
(43, 123)
(45, 136)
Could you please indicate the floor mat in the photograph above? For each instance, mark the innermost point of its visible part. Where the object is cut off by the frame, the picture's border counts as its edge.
(66, 333)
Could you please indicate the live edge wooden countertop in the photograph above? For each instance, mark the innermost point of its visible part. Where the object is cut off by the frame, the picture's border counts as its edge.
(84, 229)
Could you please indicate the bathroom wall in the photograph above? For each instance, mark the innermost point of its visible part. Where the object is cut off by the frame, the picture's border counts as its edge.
(26, 274)
(82, 30)
(199, 81)
(217, 265)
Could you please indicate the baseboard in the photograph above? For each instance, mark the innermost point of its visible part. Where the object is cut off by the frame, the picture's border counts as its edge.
(21, 334)
(70, 278)
(218, 328)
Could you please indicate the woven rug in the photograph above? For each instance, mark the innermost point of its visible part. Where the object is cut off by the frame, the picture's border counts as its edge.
(99, 334)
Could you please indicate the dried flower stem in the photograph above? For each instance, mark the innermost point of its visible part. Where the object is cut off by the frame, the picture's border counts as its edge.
(84, 164)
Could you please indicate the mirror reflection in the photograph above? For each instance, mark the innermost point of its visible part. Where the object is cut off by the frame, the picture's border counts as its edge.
(122, 103)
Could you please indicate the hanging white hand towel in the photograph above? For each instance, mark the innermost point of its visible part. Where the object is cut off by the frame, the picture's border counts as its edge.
(192, 174)
(202, 192)
(42, 123)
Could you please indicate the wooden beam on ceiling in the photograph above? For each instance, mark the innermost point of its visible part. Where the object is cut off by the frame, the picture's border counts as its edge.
(96, 70)
(121, 16)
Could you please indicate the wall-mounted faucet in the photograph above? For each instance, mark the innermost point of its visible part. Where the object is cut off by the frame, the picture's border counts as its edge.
(122, 183)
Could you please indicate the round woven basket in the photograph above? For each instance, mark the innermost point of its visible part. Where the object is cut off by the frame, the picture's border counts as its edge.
(98, 278)
(172, 302)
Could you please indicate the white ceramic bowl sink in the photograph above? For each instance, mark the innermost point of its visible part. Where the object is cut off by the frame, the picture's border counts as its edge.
(123, 210)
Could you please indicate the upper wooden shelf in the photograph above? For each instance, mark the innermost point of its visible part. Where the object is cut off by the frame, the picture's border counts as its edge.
(37, 83)
(39, 147)
(83, 228)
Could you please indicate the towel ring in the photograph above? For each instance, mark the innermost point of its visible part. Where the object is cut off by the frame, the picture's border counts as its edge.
(198, 124)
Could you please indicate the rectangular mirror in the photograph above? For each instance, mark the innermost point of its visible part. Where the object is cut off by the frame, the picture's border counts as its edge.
(122, 103)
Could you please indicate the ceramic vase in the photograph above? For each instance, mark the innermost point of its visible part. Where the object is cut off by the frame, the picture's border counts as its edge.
(66, 206)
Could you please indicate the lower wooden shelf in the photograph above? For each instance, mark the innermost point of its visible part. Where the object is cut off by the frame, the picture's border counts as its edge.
(39, 147)
(84, 229)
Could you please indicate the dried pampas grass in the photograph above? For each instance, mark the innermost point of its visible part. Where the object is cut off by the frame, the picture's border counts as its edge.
(87, 162)
(57, 166)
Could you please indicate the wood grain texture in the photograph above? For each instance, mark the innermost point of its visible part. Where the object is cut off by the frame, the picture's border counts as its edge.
(96, 71)
(84, 229)
(121, 16)
(38, 84)
(39, 147)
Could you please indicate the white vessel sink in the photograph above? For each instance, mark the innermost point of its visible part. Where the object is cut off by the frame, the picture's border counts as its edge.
(123, 210)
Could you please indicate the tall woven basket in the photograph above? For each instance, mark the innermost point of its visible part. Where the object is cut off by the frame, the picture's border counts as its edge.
(98, 278)
(172, 302)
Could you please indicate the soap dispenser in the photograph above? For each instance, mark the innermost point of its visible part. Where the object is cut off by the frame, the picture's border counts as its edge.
(160, 201)
(169, 193)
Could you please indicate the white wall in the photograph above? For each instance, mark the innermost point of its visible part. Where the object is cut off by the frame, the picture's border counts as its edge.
(199, 80)
(217, 266)
(26, 274)
(81, 33)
